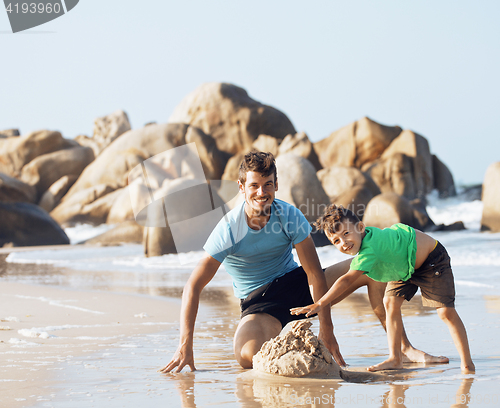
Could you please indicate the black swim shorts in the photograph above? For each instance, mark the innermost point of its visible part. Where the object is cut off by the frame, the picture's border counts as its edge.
(279, 296)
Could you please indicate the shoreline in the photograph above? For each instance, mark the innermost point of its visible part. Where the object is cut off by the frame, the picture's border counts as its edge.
(51, 325)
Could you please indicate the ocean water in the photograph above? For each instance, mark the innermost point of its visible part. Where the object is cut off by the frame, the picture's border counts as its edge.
(124, 375)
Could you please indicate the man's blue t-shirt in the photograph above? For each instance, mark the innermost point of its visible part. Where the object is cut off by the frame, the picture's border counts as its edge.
(255, 258)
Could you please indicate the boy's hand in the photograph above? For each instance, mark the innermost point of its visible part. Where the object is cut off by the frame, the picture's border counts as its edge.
(308, 310)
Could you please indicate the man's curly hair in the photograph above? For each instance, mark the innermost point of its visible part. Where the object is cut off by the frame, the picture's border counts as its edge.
(334, 217)
(259, 162)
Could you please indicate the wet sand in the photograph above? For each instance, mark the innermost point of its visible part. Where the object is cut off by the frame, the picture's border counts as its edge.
(112, 361)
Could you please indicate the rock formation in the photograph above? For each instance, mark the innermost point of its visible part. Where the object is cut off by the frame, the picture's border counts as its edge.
(26, 224)
(298, 185)
(230, 116)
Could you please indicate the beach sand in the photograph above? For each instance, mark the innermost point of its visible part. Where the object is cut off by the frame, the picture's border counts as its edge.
(124, 335)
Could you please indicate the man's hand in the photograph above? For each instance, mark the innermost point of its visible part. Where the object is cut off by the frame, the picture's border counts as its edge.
(331, 344)
(182, 357)
(309, 310)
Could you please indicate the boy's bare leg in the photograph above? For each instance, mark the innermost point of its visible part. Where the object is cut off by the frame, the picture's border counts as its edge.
(457, 330)
(394, 327)
(376, 292)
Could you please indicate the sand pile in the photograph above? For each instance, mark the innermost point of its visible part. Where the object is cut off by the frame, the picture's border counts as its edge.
(296, 353)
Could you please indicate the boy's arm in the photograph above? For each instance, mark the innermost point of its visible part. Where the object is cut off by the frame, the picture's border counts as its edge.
(337, 289)
(309, 260)
(200, 277)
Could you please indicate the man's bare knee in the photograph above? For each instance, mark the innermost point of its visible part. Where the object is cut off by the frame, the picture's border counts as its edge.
(252, 332)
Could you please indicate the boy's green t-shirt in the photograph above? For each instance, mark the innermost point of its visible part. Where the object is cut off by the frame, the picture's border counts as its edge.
(387, 255)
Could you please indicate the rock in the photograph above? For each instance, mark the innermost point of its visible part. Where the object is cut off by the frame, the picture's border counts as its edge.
(490, 220)
(422, 218)
(25, 224)
(394, 174)
(456, 226)
(108, 128)
(300, 145)
(443, 179)
(337, 180)
(299, 186)
(356, 144)
(231, 171)
(125, 232)
(112, 166)
(265, 143)
(9, 133)
(417, 148)
(387, 209)
(227, 113)
(182, 219)
(356, 199)
(85, 141)
(14, 190)
(296, 353)
(51, 198)
(72, 211)
(121, 210)
(45, 170)
(16, 152)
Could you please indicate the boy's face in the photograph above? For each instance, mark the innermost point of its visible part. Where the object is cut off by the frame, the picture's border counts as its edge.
(259, 192)
(348, 238)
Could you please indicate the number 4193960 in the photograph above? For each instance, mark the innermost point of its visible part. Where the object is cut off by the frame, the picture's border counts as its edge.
(33, 8)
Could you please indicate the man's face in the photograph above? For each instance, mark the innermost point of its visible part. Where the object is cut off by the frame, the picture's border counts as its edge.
(259, 192)
(348, 238)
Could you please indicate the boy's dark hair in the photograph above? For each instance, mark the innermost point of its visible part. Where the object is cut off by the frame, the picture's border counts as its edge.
(333, 217)
(259, 162)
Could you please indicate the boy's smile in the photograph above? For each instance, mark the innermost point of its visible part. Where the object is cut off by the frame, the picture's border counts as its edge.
(348, 237)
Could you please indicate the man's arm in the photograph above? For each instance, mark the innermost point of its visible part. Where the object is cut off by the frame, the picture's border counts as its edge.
(201, 275)
(309, 260)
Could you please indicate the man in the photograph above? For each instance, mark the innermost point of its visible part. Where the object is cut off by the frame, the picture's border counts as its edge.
(254, 240)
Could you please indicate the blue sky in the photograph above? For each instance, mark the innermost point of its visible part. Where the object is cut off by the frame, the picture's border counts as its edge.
(429, 66)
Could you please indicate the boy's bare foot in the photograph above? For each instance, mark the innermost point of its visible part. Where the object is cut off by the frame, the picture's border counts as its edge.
(468, 369)
(386, 365)
(412, 355)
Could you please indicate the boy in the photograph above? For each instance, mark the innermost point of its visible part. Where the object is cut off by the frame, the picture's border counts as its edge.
(405, 258)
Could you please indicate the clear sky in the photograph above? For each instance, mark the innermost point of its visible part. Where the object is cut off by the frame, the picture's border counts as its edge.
(429, 66)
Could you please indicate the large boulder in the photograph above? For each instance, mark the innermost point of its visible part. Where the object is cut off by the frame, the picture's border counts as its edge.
(226, 112)
(387, 209)
(181, 218)
(337, 180)
(394, 174)
(416, 147)
(76, 208)
(490, 220)
(17, 151)
(356, 199)
(13, 190)
(443, 179)
(356, 144)
(300, 145)
(25, 224)
(45, 170)
(51, 198)
(299, 185)
(112, 166)
(109, 127)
